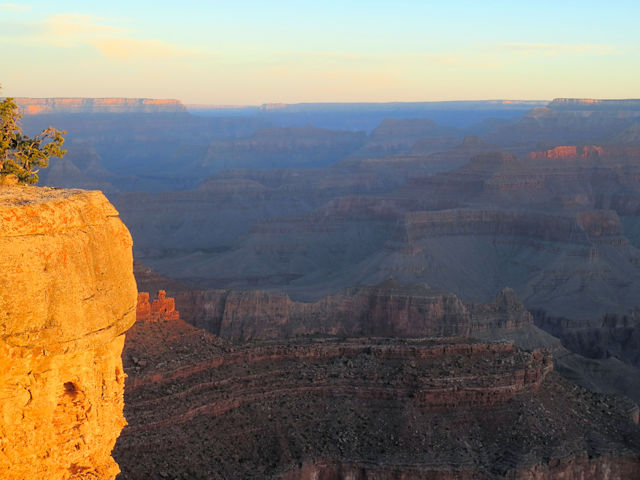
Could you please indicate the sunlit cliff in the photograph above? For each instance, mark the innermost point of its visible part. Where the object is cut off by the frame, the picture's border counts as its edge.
(67, 297)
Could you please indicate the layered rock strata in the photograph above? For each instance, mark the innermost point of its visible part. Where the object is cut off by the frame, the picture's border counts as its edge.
(387, 309)
(360, 408)
(67, 296)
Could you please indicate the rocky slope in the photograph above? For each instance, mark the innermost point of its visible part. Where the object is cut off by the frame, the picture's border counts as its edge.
(68, 296)
(355, 408)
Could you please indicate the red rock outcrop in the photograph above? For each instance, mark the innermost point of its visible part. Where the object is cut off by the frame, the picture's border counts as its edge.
(162, 309)
(569, 152)
(67, 297)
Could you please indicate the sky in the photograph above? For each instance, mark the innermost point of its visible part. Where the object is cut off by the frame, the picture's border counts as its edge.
(249, 52)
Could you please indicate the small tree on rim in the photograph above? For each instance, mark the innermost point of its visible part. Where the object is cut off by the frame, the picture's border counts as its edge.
(21, 155)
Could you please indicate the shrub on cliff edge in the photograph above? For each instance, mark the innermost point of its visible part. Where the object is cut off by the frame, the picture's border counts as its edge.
(21, 155)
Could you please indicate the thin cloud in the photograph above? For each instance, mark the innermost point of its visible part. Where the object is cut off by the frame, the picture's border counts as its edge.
(548, 49)
(340, 56)
(125, 48)
(74, 25)
(14, 7)
(485, 61)
(112, 42)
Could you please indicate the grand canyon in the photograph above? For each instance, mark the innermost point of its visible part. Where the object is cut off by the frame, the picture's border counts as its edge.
(340, 291)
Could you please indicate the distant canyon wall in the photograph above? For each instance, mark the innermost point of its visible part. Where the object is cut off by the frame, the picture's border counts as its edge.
(40, 106)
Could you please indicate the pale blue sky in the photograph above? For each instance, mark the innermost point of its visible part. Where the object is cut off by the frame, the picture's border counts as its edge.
(251, 52)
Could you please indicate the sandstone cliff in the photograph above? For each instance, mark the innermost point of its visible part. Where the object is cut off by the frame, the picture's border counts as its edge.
(67, 296)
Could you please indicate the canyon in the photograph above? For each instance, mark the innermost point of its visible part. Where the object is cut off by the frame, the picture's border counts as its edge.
(408, 300)
(68, 296)
(492, 223)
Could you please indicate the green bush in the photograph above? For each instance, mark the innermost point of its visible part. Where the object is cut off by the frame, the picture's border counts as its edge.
(21, 155)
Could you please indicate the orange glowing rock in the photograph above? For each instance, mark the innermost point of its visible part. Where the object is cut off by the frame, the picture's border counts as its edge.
(569, 152)
(67, 296)
(161, 309)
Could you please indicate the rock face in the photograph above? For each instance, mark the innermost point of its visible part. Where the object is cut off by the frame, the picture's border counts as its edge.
(40, 106)
(387, 309)
(67, 296)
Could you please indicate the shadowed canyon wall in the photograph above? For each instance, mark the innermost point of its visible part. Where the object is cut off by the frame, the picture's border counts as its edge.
(67, 296)
(387, 309)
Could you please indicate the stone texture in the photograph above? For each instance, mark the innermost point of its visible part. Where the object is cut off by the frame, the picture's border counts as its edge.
(68, 295)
